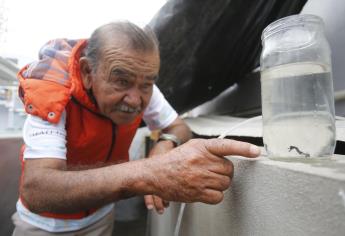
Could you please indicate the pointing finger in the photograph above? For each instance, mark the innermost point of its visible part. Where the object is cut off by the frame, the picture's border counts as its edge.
(225, 147)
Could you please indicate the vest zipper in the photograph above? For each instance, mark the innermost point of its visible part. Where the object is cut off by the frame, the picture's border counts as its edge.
(113, 127)
(113, 139)
(113, 136)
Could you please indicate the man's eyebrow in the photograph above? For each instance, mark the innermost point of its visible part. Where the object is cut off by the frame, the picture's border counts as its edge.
(152, 77)
(121, 71)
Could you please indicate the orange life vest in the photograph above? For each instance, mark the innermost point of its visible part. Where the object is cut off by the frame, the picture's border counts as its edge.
(91, 137)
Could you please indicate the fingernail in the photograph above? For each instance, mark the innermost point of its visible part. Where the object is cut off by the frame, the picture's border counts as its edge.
(254, 150)
(149, 207)
(160, 212)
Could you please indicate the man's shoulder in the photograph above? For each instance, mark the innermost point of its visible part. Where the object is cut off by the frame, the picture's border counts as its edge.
(46, 85)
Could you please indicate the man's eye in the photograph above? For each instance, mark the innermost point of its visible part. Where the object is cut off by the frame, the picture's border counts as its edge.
(122, 82)
(147, 87)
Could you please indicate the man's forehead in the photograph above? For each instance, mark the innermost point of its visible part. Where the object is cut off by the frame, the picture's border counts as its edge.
(132, 61)
(122, 71)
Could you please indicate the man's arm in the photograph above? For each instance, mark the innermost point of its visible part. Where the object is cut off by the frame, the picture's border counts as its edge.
(47, 185)
(181, 130)
(195, 171)
(178, 128)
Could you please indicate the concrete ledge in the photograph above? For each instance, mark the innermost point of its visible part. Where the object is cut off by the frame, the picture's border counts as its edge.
(214, 125)
(11, 135)
(269, 198)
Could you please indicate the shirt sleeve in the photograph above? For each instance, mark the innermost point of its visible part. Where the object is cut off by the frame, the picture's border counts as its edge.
(43, 139)
(159, 114)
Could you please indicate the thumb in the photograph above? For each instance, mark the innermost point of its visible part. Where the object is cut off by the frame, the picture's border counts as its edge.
(226, 147)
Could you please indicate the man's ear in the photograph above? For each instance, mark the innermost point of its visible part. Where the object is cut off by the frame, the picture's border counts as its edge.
(85, 72)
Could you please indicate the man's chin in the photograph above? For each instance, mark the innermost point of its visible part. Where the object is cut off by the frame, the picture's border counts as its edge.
(124, 118)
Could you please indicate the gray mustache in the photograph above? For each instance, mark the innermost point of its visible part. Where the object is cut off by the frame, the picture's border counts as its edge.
(126, 108)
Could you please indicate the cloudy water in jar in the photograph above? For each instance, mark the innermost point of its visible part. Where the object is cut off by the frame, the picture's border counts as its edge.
(298, 110)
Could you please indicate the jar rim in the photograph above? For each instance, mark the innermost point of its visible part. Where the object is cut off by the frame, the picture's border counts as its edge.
(292, 20)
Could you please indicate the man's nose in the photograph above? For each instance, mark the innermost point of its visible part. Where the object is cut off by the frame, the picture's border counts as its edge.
(133, 97)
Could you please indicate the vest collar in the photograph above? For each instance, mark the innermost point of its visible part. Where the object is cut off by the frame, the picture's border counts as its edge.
(78, 91)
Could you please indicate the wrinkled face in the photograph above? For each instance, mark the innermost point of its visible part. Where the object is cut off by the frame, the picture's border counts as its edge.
(123, 82)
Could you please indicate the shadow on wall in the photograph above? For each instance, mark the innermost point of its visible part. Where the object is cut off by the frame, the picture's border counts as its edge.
(10, 173)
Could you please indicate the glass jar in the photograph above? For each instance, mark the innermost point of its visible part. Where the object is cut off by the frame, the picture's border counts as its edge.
(297, 89)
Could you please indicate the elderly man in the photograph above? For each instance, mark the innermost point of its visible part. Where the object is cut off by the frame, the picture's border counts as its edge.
(86, 99)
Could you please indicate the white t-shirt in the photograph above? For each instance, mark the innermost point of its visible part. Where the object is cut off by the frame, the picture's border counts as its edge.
(44, 139)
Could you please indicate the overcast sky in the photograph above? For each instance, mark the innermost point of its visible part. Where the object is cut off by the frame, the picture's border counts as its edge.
(32, 23)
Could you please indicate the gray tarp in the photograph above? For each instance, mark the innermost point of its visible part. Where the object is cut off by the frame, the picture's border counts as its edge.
(208, 45)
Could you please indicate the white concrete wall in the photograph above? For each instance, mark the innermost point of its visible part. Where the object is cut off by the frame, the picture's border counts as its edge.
(269, 198)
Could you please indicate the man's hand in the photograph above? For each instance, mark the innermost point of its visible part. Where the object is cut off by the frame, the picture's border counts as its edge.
(197, 170)
(152, 201)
